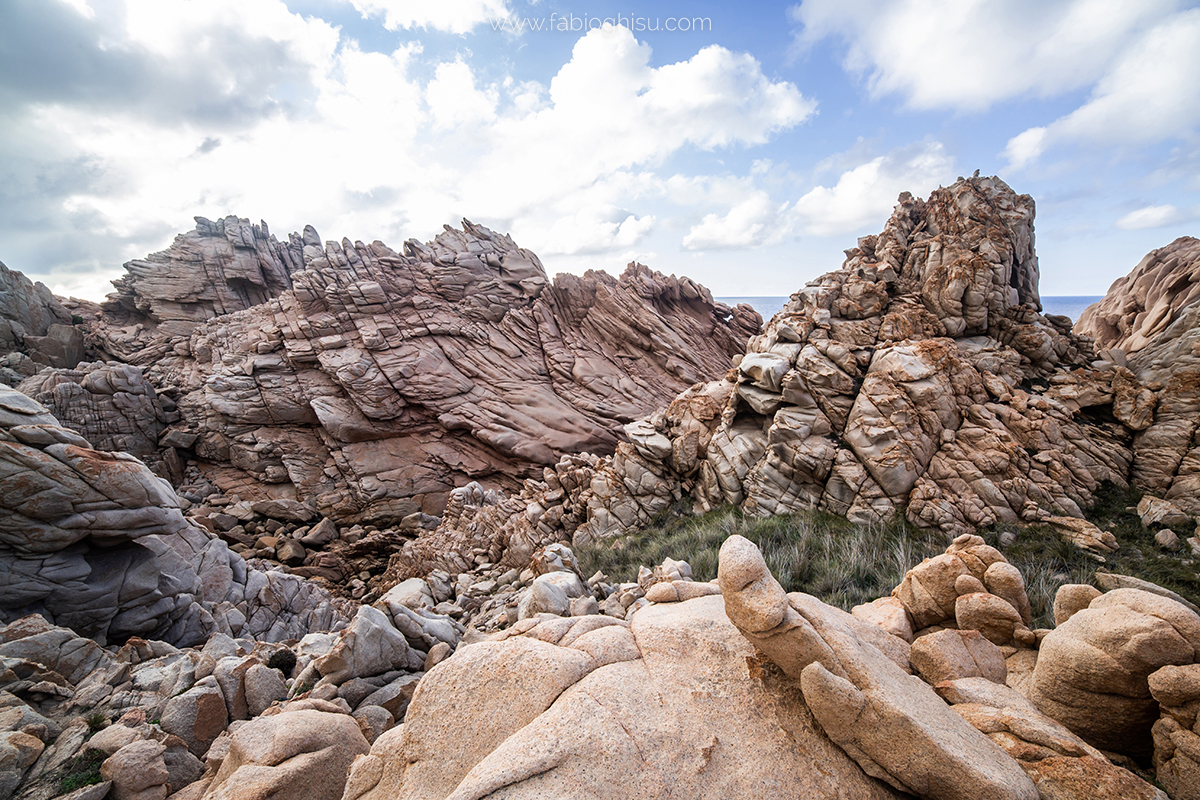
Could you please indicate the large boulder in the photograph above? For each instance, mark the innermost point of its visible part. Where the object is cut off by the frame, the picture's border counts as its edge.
(892, 724)
(587, 707)
(297, 755)
(1093, 670)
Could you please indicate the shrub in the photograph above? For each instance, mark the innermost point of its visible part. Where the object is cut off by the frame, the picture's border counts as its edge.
(844, 563)
(838, 561)
(83, 770)
(283, 660)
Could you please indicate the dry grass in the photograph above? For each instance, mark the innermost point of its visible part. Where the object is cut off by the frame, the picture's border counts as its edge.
(840, 562)
(845, 564)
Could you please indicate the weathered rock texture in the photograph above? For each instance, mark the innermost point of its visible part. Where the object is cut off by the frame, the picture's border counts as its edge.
(114, 407)
(591, 707)
(1151, 320)
(1160, 293)
(35, 330)
(96, 542)
(919, 377)
(370, 383)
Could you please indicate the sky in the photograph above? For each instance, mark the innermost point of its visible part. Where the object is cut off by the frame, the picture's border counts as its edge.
(743, 144)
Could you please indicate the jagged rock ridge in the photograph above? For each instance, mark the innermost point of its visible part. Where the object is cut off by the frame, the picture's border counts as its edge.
(919, 378)
(379, 381)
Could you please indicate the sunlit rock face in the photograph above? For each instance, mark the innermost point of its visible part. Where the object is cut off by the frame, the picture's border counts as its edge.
(1150, 321)
(920, 378)
(370, 383)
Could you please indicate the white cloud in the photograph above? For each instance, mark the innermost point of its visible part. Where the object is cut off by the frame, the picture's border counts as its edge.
(365, 147)
(455, 100)
(1153, 217)
(1151, 94)
(82, 7)
(969, 55)
(455, 16)
(755, 221)
(865, 195)
(593, 229)
(1026, 147)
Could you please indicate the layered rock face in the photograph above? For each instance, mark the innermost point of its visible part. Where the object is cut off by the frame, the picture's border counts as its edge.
(380, 381)
(1150, 321)
(1142, 306)
(920, 376)
(35, 330)
(96, 542)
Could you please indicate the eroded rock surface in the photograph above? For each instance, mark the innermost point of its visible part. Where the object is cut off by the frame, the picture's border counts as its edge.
(918, 378)
(95, 541)
(36, 331)
(592, 707)
(1160, 293)
(370, 383)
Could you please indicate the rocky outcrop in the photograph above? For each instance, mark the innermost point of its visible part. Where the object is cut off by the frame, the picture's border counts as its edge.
(217, 268)
(918, 379)
(1150, 322)
(35, 330)
(114, 407)
(1160, 293)
(96, 542)
(370, 383)
(548, 700)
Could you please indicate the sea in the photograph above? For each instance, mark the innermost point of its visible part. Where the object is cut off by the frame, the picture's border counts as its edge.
(1066, 305)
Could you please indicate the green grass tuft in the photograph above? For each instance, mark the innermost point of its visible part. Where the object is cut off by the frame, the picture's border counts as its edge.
(83, 770)
(844, 563)
(838, 561)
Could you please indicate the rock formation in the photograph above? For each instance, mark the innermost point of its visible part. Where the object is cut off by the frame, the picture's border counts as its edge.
(370, 383)
(114, 407)
(35, 330)
(96, 542)
(678, 692)
(1161, 292)
(1150, 322)
(918, 379)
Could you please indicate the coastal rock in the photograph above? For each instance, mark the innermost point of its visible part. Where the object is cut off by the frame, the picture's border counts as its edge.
(112, 406)
(895, 727)
(1160, 292)
(670, 709)
(297, 755)
(1093, 670)
(369, 383)
(96, 542)
(919, 378)
(35, 329)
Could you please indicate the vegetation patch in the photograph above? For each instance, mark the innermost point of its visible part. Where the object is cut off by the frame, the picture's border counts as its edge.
(844, 563)
(840, 562)
(84, 770)
(283, 660)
